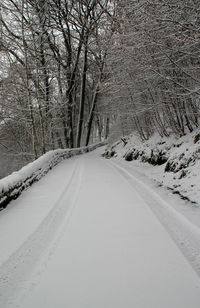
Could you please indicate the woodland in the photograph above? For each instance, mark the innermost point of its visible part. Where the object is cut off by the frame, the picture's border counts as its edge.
(76, 72)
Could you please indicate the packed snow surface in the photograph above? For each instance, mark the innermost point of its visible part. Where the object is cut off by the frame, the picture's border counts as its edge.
(87, 236)
(13, 185)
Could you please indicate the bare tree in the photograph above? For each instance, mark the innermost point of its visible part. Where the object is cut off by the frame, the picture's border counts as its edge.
(154, 73)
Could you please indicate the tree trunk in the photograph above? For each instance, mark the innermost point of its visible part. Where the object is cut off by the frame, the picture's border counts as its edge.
(82, 99)
(91, 116)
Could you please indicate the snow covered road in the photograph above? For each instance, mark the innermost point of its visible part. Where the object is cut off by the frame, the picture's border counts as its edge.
(85, 237)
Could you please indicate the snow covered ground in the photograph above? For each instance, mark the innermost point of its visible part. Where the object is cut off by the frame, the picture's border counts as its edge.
(182, 156)
(96, 233)
(12, 185)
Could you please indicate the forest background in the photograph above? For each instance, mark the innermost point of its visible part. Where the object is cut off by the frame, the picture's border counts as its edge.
(76, 72)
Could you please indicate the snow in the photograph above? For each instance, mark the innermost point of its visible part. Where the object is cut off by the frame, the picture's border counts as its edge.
(19, 220)
(181, 216)
(12, 185)
(86, 236)
(181, 221)
(182, 152)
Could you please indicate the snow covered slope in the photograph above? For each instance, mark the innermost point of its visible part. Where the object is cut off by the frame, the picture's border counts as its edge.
(176, 161)
(87, 236)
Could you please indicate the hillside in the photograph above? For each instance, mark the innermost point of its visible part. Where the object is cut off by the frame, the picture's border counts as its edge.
(172, 162)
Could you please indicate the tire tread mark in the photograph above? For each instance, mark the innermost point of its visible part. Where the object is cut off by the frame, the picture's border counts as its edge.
(185, 235)
(16, 270)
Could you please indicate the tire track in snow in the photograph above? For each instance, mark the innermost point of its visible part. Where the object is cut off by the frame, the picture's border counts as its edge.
(16, 271)
(183, 232)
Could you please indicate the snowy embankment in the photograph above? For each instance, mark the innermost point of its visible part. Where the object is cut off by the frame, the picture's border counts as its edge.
(170, 167)
(171, 161)
(13, 185)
